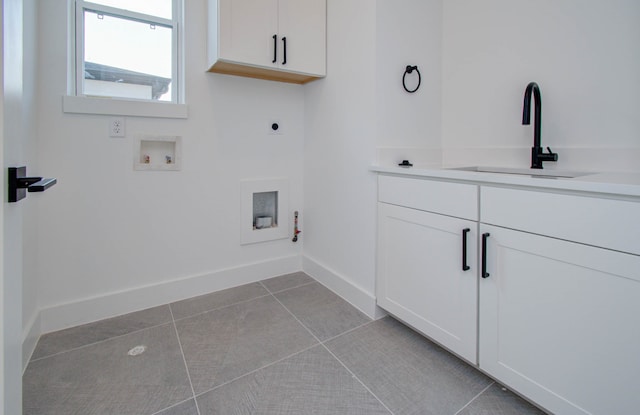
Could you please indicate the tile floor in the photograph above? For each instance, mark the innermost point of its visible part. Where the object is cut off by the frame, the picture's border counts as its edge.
(286, 345)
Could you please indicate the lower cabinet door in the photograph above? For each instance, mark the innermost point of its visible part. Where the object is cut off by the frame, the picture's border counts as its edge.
(560, 322)
(420, 276)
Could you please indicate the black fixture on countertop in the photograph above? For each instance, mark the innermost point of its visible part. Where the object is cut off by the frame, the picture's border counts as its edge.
(537, 152)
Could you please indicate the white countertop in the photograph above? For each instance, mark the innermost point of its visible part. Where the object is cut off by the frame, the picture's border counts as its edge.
(618, 184)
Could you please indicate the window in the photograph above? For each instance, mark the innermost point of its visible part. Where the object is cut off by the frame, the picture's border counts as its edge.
(128, 49)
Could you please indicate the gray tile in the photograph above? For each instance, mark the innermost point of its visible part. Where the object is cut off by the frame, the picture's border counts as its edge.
(75, 337)
(410, 374)
(498, 400)
(312, 382)
(104, 379)
(185, 408)
(196, 305)
(284, 282)
(322, 311)
(229, 342)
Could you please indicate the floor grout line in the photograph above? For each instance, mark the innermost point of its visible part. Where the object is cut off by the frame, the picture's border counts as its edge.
(221, 307)
(172, 406)
(336, 357)
(348, 331)
(290, 288)
(259, 369)
(184, 360)
(297, 319)
(100, 341)
(475, 397)
(319, 343)
(358, 379)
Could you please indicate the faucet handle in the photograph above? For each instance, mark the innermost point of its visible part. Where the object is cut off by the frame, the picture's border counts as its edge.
(551, 156)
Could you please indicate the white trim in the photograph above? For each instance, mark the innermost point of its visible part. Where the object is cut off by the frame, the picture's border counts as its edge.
(126, 14)
(78, 49)
(76, 44)
(350, 292)
(113, 106)
(91, 309)
(30, 336)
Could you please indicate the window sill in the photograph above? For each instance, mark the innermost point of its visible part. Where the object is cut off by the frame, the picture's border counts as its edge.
(115, 106)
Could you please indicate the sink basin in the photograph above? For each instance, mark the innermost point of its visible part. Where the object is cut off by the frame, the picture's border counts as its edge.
(550, 174)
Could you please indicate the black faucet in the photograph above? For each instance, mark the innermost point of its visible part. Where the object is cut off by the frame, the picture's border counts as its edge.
(537, 152)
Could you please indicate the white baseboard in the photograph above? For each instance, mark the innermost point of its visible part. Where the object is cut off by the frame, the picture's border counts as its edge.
(87, 310)
(355, 295)
(91, 309)
(30, 336)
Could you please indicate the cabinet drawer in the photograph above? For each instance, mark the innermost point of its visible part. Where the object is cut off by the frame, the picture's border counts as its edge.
(453, 199)
(607, 223)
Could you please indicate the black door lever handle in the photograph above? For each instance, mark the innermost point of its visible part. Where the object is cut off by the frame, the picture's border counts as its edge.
(19, 183)
(41, 185)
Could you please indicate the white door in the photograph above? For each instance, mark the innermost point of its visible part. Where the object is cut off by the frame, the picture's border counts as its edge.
(3, 336)
(420, 276)
(559, 322)
(11, 239)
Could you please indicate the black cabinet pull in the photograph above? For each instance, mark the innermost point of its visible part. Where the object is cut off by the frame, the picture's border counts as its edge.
(284, 42)
(485, 274)
(465, 267)
(275, 48)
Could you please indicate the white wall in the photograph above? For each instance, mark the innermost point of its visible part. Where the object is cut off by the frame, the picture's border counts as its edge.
(408, 32)
(113, 239)
(360, 114)
(585, 56)
(340, 135)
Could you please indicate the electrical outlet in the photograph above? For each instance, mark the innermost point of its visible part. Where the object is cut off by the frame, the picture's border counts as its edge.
(275, 127)
(116, 127)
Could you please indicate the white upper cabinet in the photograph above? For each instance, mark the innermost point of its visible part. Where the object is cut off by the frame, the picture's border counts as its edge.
(245, 30)
(304, 25)
(281, 40)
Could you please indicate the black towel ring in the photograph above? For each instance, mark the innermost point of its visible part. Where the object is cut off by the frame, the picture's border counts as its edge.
(409, 70)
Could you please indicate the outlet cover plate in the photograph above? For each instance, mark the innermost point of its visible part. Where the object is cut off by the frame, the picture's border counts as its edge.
(116, 127)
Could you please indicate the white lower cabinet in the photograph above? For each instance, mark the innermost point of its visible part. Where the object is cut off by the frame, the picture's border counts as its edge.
(559, 322)
(420, 275)
(550, 303)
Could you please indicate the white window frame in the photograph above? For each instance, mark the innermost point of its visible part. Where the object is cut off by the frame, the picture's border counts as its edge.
(77, 102)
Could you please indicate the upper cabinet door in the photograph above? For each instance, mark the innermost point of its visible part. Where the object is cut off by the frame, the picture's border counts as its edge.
(246, 31)
(304, 25)
(280, 40)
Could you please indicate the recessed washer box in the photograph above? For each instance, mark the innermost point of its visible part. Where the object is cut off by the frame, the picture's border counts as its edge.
(264, 210)
(158, 152)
